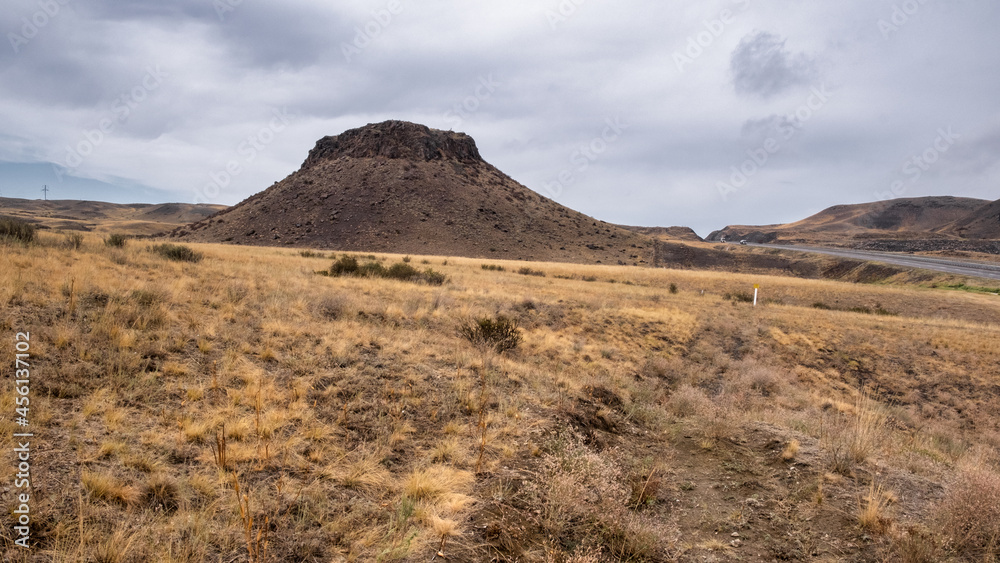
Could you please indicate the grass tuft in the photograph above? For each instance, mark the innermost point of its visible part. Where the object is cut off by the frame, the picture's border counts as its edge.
(873, 509)
(107, 487)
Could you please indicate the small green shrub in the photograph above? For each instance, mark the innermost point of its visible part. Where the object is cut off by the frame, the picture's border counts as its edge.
(433, 278)
(406, 259)
(492, 267)
(116, 240)
(500, 334)
(344, 265)
(739, 297)
(371, 270)
(348, 266)
(525, 271)
(17, 230)
(177, 252)
(673, 288)
(311, 254)
(401, 271)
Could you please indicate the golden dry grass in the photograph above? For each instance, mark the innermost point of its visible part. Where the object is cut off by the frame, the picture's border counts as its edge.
(354, 414)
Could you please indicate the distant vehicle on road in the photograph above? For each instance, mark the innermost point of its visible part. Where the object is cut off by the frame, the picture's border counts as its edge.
(743, 241)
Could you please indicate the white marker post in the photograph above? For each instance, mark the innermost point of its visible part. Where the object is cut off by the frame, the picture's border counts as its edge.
(755, 288)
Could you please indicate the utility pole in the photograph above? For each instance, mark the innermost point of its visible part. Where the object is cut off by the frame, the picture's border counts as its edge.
(45, 191)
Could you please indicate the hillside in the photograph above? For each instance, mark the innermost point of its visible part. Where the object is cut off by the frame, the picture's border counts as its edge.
(922, 218)
(245, 408)
(671, 234)
(128, 218)
(401, 187)
(983, 223)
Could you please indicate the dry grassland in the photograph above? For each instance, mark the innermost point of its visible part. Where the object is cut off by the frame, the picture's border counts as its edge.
(244, 408)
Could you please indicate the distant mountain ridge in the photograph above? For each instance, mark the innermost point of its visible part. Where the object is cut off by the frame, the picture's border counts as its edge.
(921, 218)
(126, 218)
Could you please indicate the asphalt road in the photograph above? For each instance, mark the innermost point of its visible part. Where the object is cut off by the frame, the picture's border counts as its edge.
(959, 267)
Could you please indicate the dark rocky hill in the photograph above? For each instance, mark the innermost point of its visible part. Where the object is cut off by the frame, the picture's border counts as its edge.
(401, 187)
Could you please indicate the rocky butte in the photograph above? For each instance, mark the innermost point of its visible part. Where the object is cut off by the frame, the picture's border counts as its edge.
(405, 188)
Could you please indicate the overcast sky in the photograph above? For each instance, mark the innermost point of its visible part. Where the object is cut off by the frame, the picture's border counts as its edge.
(636, 111)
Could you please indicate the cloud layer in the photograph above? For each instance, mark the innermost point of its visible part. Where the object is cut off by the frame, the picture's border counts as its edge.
(728, 111)
(762, 66)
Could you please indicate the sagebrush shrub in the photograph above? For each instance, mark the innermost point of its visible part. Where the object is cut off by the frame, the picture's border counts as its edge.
(739, 297)
(348, 266)
(344, 265)
(500, 334)
(689, 401)
(433, 278)
(331, 307)
(17, 230)
(116, 240)
(401, 271)
(371, 270)
(177, 252)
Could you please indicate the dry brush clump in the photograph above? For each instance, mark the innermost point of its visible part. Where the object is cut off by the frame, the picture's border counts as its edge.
(970, 513)
(587, 501)
(854, 439)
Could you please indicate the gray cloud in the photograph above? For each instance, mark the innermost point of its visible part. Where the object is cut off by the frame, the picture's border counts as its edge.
(557, 81)
(762, 66)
